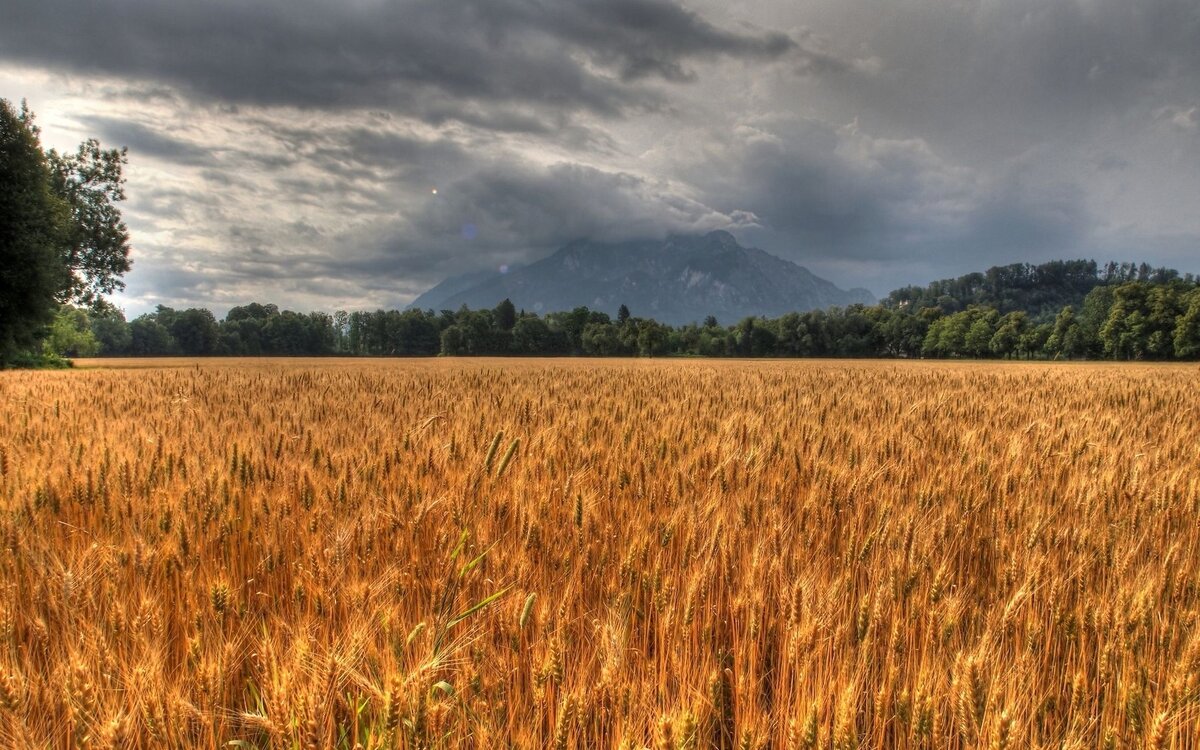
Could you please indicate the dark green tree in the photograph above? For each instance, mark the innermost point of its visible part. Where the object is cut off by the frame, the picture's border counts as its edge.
(61, 235)
(32, 226)
(454, 341)
(1066, 338)
(901, 333)
(1124, 333)
(1165, 304)
(531, 335)
(652, 338)
(289, 334)
(947, 335)
(1033, 340)
(1092, 316)
(571, 324)
(601, 340)
(195, 332)
(252, 311)
(745, 336)
(148, 336)
(242, 337)
(1187, 327)
(857, 333)
(505, 315)
(110, 329)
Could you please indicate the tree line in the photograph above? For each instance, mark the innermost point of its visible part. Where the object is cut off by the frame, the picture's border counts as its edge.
(1130, 320)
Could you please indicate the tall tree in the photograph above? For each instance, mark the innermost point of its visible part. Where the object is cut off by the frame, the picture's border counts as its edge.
(62, 239)
(195, 331)
(96, 247)
(148, 336)
(506, 315)
(1008, 334)
(32, 219)
(110, 329)
(982, 328)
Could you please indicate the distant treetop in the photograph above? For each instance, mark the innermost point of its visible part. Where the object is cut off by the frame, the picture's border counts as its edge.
(1039, 290)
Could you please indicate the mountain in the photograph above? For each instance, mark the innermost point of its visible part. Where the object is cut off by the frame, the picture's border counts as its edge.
(433, 299)
(681, 279)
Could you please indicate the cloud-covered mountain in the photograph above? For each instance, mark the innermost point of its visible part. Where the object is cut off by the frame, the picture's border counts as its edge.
(677, 280)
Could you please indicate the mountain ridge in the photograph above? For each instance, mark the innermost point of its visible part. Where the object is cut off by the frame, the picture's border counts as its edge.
(680, 279)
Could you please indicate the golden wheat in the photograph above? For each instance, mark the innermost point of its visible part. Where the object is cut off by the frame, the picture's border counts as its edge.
(692, 554)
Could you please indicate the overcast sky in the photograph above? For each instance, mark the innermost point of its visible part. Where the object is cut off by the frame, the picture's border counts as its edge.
(329, 154)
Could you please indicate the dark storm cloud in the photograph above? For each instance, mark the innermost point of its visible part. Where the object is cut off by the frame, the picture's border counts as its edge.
(428, 58)
(1018, 217)
(146, 141)
(802, 187)
(881, 211)
(546, 207)
(827, 190)
(648, 38)
(510, 212)
(989, 78)
(487, 211)
(290, 150)
(359, 147)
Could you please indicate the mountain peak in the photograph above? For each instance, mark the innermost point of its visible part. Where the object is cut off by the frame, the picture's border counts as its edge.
(681, 279)
(722, 237)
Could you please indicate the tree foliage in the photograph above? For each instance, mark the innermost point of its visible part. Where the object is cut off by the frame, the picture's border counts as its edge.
(71, 334)
(62, 239)
(1038, 290)
(32, 222)
(96, 247)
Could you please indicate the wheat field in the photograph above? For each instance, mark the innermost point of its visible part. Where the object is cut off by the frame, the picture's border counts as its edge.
(599, 554)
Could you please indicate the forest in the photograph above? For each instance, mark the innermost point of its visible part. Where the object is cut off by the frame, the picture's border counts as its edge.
(1058, 310)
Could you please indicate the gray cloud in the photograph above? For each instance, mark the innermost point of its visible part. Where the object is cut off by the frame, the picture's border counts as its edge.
(827, 190)
(429, 58)
(515, 205)
(985, 79)
(289, 150)
(1018, 217)
(646, 38)
(508, 212)
(147, 141)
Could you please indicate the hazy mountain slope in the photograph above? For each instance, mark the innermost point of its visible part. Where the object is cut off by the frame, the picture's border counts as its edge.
(435, 297)
(677, 280)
